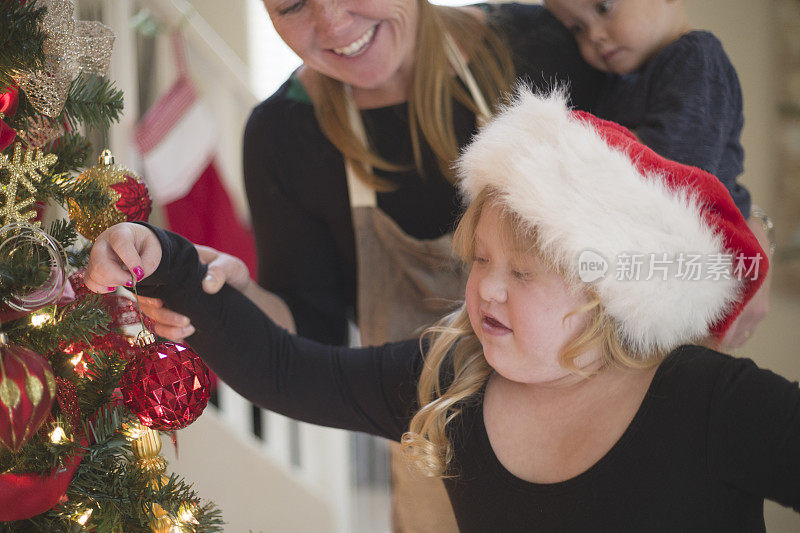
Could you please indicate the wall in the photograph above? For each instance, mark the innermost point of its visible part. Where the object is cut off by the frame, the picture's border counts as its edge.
(748, 31)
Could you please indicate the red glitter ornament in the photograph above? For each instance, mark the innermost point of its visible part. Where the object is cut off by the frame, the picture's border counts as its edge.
(167, 385)
(134, 199)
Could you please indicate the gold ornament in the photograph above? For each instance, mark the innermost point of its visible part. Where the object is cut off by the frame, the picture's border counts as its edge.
(130, 199)
(146, 446)
(40, 130)
(24, 167)
(70, 47)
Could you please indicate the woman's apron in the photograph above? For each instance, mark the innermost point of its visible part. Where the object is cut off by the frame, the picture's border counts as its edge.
(403, 285)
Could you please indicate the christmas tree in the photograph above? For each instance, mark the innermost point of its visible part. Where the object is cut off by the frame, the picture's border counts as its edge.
(74, 453)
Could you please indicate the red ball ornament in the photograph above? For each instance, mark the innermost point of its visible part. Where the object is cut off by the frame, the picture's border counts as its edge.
(167, 385)
(27, 391)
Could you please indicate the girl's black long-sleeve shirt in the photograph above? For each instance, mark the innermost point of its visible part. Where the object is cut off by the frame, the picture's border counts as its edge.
(714, 436)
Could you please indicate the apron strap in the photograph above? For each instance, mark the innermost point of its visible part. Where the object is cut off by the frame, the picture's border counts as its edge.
(459, 64)
(361, 194)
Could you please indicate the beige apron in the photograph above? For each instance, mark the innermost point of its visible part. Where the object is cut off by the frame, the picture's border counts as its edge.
(405, 284)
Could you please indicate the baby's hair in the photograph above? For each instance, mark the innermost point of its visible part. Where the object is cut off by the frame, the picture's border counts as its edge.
(455, 370)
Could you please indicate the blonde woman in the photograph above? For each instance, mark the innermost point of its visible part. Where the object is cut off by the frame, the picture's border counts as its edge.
(348, 173)
(560, 397)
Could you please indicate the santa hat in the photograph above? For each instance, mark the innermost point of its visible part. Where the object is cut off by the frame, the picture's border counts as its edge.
(602, 203)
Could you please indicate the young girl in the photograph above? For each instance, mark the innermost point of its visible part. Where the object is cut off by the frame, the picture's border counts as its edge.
(546, 403)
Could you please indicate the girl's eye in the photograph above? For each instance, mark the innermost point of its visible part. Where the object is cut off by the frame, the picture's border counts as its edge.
(603, 7)
(292, 8)
(479, 260)
(520, 275)
(576, 29)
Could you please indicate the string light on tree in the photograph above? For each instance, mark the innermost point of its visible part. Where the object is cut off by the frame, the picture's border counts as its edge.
(84, 517)
(40, 319)
(57, 436)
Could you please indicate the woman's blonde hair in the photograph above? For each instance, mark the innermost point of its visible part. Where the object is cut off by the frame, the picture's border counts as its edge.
(430, 104)
(455, 370)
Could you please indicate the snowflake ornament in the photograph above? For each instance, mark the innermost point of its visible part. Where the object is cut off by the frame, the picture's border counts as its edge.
(24, 169)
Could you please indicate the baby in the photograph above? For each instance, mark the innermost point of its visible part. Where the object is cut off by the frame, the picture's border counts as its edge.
(675, 87)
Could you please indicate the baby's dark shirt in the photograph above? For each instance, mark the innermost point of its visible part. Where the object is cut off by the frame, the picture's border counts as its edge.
(686, 104)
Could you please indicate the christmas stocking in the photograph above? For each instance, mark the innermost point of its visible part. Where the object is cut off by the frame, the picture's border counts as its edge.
(177, 138)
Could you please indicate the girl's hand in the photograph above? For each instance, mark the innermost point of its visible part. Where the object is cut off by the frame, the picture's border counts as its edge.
(222, 268)
(121, 251)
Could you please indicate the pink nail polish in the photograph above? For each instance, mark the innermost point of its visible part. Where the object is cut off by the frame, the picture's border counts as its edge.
(112, 288)
(129, 284)
(139, 273)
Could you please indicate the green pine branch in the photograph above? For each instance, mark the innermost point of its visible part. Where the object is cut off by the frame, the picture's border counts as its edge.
(21, 39)
(78, 321)
(103, 374)
(72, 151)
(79, 258)
(88, 195)
(63, 231)
(93, 102)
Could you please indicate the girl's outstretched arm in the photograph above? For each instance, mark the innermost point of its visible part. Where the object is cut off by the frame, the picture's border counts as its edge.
(366, 389)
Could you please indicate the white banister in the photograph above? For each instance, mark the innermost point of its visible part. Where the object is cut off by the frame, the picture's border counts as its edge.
(234, 409)
(123, 71)
(201, 37)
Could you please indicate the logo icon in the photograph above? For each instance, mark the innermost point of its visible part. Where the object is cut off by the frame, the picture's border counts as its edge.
(591, 266)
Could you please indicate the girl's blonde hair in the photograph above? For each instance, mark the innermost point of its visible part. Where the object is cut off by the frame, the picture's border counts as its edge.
(430, 109)
(455, 370)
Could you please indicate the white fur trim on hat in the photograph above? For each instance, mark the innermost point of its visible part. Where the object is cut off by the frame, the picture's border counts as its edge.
(561, 176)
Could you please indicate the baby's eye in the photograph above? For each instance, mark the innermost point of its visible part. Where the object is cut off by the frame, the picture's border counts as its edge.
(292, 8)
(575, 29)
(603, 7)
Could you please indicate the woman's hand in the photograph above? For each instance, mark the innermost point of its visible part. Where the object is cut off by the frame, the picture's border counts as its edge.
(744, 325)
(758, 306)
(222, 268)
(122, 251)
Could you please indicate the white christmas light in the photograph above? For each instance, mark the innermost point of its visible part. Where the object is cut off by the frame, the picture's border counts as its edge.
(57, 435)
(39, 319)
(84, 517)
(77, 359)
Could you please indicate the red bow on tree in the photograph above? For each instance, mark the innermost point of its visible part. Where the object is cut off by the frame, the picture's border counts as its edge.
(8, 106)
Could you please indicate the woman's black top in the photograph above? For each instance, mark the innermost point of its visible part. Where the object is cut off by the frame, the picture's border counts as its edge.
(297, 190)
(714, 436)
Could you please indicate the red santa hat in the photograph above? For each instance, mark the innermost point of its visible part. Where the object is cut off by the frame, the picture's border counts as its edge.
(604, 205)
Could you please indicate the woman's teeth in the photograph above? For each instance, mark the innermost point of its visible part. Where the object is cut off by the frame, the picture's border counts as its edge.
(356, 47)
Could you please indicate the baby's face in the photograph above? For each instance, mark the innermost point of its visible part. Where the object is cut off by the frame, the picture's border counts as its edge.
(619, 36)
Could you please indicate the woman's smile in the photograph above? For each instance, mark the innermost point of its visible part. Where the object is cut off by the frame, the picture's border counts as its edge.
(359, 46)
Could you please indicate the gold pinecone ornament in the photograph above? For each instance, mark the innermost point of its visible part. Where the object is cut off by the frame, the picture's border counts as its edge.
(146, 447)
